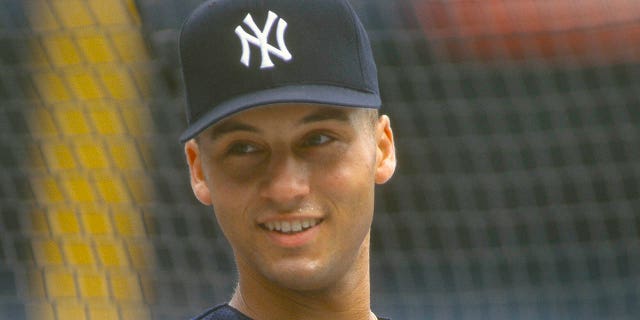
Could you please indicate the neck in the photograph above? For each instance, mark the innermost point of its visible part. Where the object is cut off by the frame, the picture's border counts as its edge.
(347, 298)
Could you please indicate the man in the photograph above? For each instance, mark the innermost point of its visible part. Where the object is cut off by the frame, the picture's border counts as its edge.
(285, 143)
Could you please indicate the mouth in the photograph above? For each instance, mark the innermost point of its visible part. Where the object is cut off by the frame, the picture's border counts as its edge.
(291, 226)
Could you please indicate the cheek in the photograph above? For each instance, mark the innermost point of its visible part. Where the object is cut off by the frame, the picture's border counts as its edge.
(350, 182)
(228, 181)
(229, 203)
(356, 168)
(351, 192)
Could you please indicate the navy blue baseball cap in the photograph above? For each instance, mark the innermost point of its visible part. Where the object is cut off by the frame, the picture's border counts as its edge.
(240, 54)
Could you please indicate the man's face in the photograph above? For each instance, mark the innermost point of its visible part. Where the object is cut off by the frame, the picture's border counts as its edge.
(292, 187)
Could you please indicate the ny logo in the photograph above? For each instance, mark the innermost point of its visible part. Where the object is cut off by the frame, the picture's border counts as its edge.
(260, 39)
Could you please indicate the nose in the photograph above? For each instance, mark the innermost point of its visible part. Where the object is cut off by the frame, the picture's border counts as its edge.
(287, 182)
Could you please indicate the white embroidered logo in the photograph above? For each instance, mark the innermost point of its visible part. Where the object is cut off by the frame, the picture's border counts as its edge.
(260, 39)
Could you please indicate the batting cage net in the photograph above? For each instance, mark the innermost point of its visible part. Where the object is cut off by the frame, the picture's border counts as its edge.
(517, 194)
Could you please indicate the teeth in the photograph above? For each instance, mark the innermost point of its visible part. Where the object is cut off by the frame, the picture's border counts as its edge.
(290, 226)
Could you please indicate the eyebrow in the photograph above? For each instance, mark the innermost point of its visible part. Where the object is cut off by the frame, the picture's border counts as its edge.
(326, 115)
(230, 126)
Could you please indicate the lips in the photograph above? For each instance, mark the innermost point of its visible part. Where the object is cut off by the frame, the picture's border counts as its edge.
(291, 232)
(291, 226)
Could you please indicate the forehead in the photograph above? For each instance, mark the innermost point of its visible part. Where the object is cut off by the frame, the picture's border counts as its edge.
(279, 115)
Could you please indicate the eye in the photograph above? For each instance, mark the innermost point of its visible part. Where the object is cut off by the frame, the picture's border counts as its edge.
(242, 148)
(317, 140)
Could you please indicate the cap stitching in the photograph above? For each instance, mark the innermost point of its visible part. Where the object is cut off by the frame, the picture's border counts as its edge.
(357, 34)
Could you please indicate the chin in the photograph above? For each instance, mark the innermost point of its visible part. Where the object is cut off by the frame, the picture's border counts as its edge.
(312, 275)
(305, 276)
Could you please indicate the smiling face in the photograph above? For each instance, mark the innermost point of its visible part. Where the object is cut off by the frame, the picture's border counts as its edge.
(292, 187)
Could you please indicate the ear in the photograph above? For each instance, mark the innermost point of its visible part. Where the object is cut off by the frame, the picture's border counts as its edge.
(386, 151)
(196, 172)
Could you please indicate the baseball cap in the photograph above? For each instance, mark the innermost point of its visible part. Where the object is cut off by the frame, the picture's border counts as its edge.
(240, 54)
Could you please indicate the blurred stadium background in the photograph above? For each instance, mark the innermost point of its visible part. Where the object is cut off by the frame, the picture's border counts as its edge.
(517, 194)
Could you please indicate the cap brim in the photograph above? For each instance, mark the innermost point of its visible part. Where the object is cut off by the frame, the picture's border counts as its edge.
(317, 94)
